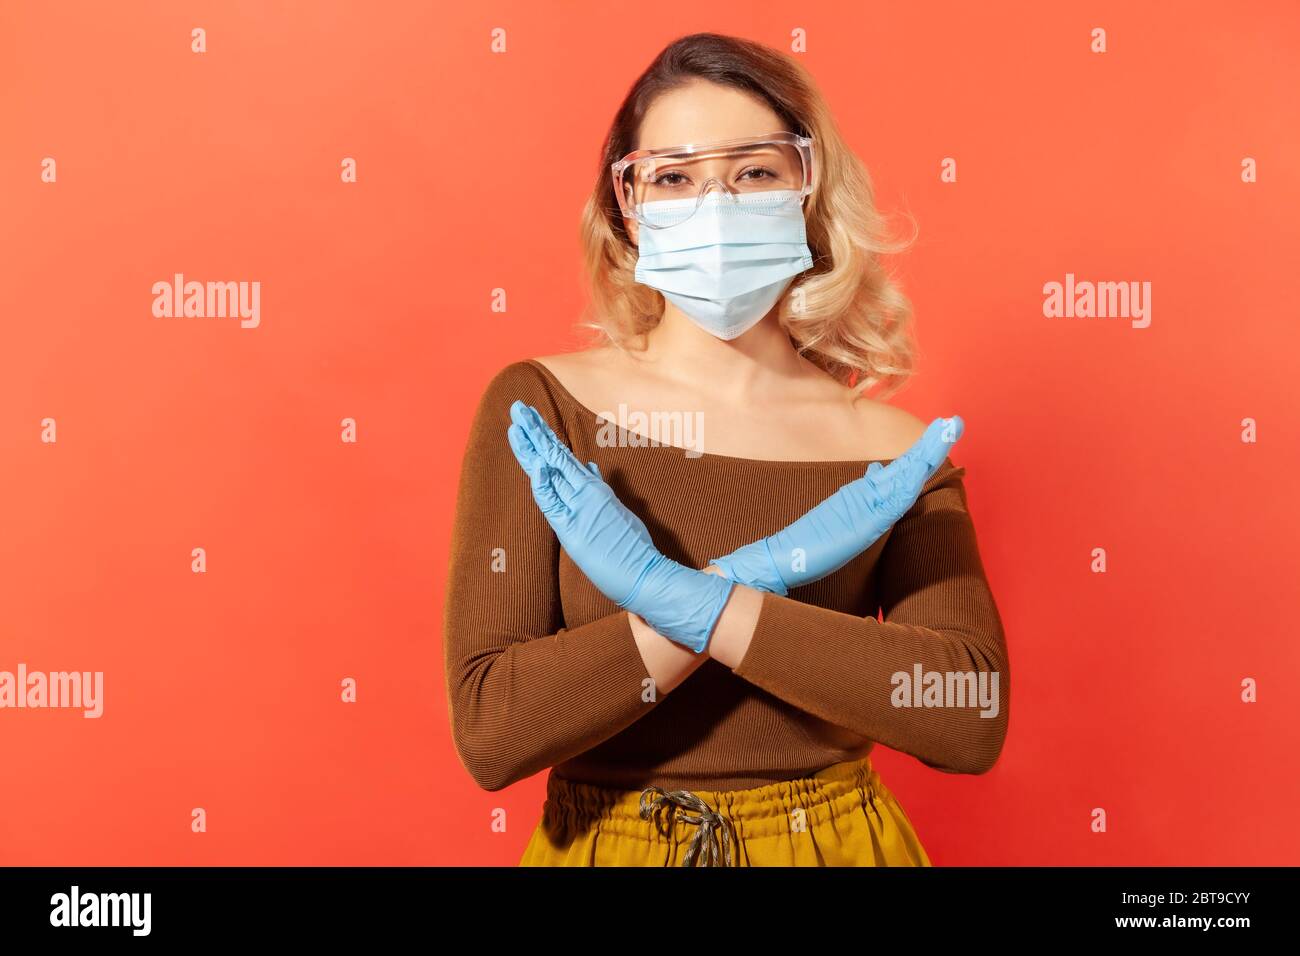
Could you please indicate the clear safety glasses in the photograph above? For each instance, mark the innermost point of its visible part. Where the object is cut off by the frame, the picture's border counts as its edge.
(664, 187)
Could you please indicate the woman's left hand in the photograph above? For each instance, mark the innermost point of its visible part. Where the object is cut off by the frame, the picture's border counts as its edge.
(837, 530)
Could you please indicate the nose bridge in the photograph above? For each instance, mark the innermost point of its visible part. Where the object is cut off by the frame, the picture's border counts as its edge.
(710, 183)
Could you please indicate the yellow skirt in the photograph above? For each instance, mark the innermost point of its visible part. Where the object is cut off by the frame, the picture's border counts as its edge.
(840, 816)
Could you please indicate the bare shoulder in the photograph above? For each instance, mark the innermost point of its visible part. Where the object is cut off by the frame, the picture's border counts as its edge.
(580, 365)
(890, 429)
(866, 427)
(584, 374)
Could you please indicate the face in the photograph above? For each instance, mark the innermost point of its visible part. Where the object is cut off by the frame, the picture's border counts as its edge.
(702, 112)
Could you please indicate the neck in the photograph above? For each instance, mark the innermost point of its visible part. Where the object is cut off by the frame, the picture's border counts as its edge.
(733, 370)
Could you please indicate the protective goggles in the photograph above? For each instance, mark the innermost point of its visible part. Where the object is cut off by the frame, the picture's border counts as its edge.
(677, 178)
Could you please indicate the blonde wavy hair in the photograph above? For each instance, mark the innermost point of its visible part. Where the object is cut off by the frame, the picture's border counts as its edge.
(846, 314)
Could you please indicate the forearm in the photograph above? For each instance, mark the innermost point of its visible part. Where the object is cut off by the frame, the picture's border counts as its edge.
(851, 670)
(524, 692)
(534, 703)
(736, 624)
(845, 668)
(667, 662)
(931, 679)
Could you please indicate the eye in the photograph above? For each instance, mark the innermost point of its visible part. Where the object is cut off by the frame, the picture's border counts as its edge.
(755, 173)
(669, 179)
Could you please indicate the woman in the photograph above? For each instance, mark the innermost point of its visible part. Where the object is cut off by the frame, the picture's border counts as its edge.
(686, 630)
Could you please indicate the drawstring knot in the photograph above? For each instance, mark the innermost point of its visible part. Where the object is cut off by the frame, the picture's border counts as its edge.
(714, 828)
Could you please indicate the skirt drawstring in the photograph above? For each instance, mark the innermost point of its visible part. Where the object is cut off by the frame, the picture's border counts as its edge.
(714, 828)
(840, 815)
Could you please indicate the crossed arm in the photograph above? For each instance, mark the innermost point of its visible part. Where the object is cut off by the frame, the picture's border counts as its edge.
(613, 547)
(515, 682)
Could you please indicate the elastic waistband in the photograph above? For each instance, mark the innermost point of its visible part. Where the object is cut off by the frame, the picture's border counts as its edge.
(713, 818)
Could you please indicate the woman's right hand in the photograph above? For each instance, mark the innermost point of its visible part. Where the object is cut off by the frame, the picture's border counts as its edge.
(609, 542)
(837, 530)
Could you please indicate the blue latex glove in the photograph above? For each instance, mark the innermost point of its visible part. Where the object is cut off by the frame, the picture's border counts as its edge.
(609, 543)
(836, 531)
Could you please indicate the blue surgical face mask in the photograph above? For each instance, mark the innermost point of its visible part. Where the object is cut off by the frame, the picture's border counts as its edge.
(730, 262)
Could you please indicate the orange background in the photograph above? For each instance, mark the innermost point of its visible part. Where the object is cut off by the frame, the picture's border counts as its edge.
(328, 560)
